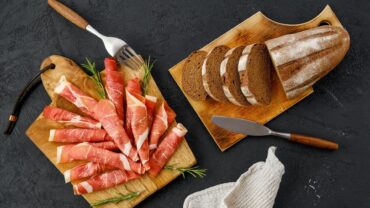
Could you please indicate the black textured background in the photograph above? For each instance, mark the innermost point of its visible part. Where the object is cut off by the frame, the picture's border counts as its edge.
(168, 31)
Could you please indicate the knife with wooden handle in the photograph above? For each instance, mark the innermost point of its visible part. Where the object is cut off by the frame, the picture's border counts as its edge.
(255, 129)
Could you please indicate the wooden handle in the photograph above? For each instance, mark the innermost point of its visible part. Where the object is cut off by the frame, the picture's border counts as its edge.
(68, 14)
(313, 141)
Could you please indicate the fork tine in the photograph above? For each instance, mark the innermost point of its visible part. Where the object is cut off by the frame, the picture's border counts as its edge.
(135, 55)
(129, 56)
(129, 62)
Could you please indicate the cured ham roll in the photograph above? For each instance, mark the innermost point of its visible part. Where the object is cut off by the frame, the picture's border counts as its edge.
(150, 103)
(163, 119)
(87, 152)
(68, 118)
(78, 135)
(108, 145)
(108, 117)
(114, 86)
(103, 181)
(63, 150)
(133, 86)
(74, 95)
(139, 125)
(85, 170)
(166, 149)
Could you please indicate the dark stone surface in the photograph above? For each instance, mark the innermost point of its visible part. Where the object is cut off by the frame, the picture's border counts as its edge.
(169, 31)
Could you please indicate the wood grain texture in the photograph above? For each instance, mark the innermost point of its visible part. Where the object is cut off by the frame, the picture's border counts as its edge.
(256, 29)
(38, 132)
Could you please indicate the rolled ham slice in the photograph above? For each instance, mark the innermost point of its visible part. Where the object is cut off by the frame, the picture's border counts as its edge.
(108, 145)
(74, 95)
(63, 150)
(103, 181)
(78, 135)
(166, 149)
(114, 86)
(133, 86)
(108, 117)
(70, 119)
(139, 125)
(85, 170)
(163, 119)
(87, 152)
(150, 103)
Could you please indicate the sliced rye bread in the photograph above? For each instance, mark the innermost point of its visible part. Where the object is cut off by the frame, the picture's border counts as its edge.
(192, 82)
(255, 74)
(230, 77)
(211, 73)
(302, 58)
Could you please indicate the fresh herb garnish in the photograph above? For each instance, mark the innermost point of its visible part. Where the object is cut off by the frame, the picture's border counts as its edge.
(117, 199)
(147, 65)
(194, 171)
(95, 76)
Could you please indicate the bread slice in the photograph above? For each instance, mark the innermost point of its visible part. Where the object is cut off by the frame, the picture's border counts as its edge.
(302, 58)
(211, 73)
(230, 76)
(255, 74)
(192, 82)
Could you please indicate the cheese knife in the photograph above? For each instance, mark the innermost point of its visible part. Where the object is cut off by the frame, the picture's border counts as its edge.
(252, 128)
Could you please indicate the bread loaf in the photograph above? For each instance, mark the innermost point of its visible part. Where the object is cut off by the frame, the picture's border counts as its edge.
(230, 76)
(255, 74)
(192, 82)
(211, 73)
(302, 58)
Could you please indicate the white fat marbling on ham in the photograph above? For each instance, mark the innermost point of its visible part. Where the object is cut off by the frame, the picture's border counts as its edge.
(67, 176)
(51, 135)
(87, 187)
(125, 163)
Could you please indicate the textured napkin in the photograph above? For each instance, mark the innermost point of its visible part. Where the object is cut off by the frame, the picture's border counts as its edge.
(256, 188)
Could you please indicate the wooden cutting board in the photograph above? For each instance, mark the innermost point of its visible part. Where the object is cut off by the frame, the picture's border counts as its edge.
(256, 29)
(38, 132)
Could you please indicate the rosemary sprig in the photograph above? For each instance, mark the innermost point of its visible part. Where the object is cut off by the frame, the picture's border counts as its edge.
(147, 65)
(193, 171)
(95, 76)
(117, 199)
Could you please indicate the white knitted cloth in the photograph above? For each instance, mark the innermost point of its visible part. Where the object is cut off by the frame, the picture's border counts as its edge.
(256, 188)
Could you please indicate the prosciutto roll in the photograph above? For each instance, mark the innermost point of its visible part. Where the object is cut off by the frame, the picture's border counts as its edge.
(74, 95)
(85, 170)
(78, 135)
(139, 125)
(166, 149)
(108, 145)
(133, 86)
(150, 103)
(108, 117)
(63, 150)
(103, 181)
(163, 119)
(114, 86)
(68, 118)
(87, 152)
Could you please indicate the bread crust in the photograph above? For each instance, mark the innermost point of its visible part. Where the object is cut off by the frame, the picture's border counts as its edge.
(302, 58)
(212, 82)
(230, 76)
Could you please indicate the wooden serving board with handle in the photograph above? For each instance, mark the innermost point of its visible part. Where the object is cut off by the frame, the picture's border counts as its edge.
(38, 132)
(256, 29)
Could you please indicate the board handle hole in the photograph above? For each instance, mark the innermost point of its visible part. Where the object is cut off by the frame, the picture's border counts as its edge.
(324, 22)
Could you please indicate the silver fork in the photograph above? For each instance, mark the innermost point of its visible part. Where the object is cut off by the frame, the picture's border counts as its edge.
(115, 46)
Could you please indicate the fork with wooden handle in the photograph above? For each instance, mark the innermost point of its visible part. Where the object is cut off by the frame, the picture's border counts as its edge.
(115, 46)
